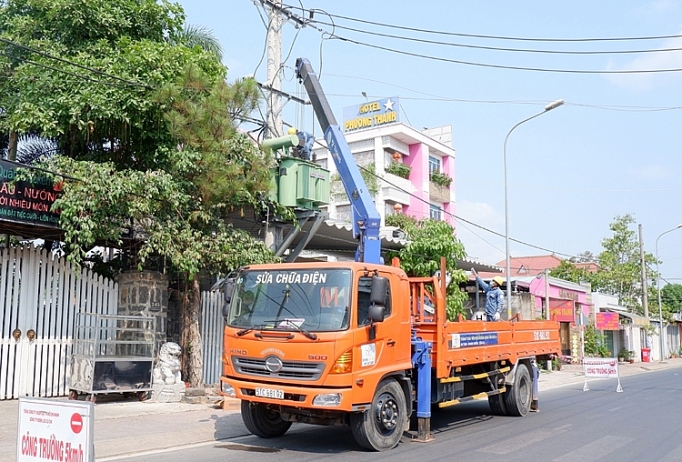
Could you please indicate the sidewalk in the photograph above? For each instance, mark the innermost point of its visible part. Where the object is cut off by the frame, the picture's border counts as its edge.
(129, 426)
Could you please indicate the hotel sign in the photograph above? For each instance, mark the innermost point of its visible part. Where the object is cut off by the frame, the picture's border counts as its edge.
(371, 114)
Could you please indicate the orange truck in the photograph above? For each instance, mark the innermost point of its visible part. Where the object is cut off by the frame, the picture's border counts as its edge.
(364, 345)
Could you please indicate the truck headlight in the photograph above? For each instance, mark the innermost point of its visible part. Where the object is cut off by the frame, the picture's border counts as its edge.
(331, 399)
(226, 388)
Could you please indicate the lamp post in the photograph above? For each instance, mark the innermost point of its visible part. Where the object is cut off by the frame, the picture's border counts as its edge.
(548, 108)
(658, 288)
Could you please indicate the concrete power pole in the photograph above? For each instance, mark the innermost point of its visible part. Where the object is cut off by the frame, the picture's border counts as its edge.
(274, 100)
(645, 300)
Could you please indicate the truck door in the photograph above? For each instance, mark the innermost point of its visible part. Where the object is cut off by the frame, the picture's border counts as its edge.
(383, 352)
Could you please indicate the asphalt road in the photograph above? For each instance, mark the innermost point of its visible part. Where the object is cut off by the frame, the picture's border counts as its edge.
(640, 424)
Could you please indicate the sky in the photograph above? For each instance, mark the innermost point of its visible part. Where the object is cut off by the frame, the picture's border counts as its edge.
(613, 148)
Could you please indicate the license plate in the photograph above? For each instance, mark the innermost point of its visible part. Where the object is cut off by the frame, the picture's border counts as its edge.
(269, 393)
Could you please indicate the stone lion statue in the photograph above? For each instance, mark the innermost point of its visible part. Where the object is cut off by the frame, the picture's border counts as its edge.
(167, 369)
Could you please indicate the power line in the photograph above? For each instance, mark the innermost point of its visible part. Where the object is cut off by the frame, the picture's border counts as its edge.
(498, 37)
(492, 48)
(333, 35)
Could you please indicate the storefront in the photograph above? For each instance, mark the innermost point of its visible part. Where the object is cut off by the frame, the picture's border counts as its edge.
(569, 303)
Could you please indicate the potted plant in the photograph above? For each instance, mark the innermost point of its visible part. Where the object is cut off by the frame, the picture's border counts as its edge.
(399, 169)
(623, 355)
(556, 363)
(439, 178)
(631, 356)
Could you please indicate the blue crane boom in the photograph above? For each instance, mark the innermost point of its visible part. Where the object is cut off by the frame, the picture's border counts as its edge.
(365, 217)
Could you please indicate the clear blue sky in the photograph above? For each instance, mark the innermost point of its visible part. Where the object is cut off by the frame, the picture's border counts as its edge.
(614, 148)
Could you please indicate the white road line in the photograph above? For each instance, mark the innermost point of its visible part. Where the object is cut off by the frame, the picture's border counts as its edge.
(595, 450)
(521, 441)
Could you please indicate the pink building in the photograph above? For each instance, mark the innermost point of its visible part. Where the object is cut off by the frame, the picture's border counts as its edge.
(405, 161)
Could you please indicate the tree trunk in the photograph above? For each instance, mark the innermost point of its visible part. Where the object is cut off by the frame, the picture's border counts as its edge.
(190, 337)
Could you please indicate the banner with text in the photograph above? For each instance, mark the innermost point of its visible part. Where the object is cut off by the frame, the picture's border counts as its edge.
(27, 202)
(55, 430)
(600, 367)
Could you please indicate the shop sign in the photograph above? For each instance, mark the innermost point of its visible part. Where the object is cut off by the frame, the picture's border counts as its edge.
(561, 310)
(27, 201)
(607, 321)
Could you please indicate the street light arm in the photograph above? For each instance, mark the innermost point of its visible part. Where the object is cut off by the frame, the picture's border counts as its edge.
(548, 108)
(658, 287)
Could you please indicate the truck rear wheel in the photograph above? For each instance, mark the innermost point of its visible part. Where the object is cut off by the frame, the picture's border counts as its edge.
(263, 422)
(381, 427)
(517, 398)
(496, 403)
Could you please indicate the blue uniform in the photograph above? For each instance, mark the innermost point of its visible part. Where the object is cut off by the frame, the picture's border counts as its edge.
(494, 299)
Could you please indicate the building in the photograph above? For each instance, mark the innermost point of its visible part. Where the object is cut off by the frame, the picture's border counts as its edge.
(407, 171)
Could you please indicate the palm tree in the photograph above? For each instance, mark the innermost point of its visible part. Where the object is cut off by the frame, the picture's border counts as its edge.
(202, 37)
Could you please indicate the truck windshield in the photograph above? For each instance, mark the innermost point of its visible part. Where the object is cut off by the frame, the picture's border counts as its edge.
(312, 300)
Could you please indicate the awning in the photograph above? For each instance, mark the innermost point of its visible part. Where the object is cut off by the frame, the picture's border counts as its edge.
(636, 319)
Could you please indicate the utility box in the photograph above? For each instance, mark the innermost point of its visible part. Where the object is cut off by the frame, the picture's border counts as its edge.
(300, 183)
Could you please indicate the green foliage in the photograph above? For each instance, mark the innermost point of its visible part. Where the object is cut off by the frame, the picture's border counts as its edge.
(404, 222)
(369, 175)
(399, 169)
(592, 341)
(671, 299)
(429, 240)
(570, 272)
(439, 178)
(90, 114)
(620, 264)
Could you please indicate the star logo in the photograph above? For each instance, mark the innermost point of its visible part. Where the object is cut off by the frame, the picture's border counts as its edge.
(388, 105)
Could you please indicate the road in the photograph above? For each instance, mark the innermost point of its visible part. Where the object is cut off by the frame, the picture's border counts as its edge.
(639, 424)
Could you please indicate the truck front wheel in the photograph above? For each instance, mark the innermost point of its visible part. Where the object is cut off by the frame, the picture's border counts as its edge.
(381, 427)
(263, 422)
(517, 399)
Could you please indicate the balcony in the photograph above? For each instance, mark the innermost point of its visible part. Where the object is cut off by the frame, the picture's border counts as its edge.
(438, 193)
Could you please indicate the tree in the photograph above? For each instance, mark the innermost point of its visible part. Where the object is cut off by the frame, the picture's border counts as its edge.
(84, 76)
(568, 271)
(144, 128)
(428, 241)
(671, 299)
(620, 266)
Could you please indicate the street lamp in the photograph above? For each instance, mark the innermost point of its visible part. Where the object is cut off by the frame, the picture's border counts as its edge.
(658, 288)
(548, 108)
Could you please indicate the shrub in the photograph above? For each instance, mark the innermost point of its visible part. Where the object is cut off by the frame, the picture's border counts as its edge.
(399, 169)
(440, 179)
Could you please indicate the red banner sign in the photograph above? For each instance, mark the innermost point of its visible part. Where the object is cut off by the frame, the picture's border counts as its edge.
(607, 321)
(561, 310)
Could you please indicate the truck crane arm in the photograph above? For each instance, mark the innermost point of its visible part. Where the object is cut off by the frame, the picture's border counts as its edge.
(365, 217)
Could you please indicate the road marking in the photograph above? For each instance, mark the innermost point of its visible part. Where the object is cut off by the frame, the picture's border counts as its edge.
(521, 441)
(595, 450)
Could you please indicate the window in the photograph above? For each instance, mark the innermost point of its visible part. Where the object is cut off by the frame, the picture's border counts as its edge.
(434, 164)
(364, 290)
(435, 212)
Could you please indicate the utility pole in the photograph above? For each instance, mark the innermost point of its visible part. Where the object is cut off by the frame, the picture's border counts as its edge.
(274, 100)
(645, 300)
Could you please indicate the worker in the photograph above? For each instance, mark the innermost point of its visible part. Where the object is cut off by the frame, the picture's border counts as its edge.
(534, 407)
(494, 297)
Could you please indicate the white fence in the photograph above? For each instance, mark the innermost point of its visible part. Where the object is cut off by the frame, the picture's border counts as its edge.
(40, 296)
(212, 335)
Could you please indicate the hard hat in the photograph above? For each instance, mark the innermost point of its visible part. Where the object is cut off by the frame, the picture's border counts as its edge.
(498, 280)
(291, 131)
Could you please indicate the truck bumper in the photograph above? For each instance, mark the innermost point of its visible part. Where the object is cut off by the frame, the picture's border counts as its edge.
(291, 396)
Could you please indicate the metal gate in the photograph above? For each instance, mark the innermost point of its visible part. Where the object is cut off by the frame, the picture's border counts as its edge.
(212, 335)
(40, 295)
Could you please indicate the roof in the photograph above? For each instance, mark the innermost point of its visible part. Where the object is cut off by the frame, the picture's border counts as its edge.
(636, 319)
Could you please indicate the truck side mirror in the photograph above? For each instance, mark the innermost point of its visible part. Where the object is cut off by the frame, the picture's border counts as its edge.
(375, 313)
(379, 290)
(228, 289)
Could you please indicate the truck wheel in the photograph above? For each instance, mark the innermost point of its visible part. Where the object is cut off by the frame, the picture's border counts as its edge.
(381, 427)
(517, 398)
(496, 403)
(263, 422)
